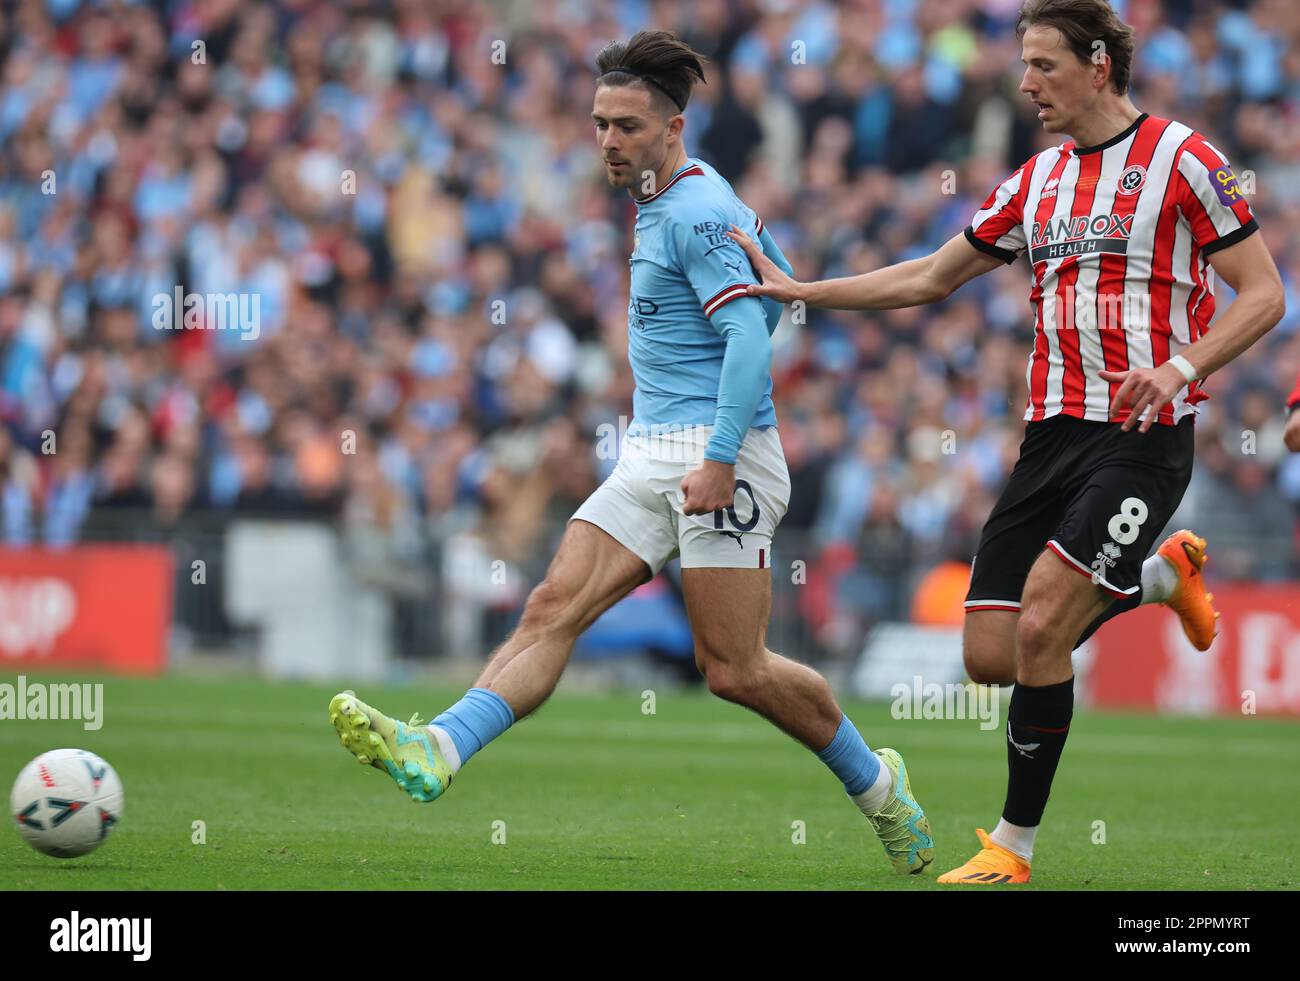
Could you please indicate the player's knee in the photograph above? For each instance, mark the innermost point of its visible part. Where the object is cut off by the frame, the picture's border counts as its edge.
(549, 606)
(984, 667)
(728, 687)
(725, 681)
(1035, 635)
(988, 649)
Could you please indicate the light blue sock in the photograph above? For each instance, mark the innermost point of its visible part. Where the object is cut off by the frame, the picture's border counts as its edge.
(475, 721)
(850, 759)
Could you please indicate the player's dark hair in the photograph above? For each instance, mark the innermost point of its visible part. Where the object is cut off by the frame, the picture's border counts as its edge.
(667, 66)
(1082, 24)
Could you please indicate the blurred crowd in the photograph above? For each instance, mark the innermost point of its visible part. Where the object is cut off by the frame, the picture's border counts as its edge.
(412, 192)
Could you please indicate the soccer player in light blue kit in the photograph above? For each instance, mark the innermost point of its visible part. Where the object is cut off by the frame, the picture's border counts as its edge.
(701, 475)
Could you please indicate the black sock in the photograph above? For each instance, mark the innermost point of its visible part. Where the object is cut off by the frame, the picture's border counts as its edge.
(1038, 720)
(1114, 610)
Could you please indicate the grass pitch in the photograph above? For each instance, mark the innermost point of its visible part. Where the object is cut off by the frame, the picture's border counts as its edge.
(592, 794)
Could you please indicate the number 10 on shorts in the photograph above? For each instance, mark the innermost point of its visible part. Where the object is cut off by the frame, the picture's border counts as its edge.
(741, 485)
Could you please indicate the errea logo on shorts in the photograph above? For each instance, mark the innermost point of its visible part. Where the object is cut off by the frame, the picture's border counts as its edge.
(1105, 559)
(102, 934)
(1124, 529)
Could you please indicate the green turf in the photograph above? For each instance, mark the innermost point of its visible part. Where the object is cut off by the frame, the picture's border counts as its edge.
(592, 794)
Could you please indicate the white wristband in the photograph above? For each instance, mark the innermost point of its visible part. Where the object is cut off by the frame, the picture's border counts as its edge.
(1184, 366)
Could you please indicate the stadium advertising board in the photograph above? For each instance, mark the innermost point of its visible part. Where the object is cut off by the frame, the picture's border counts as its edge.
(1143, 660)
(104, 607)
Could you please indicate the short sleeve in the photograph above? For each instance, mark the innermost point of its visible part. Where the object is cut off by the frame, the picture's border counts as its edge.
(1211, 199)
(998, 227)
(715, 266)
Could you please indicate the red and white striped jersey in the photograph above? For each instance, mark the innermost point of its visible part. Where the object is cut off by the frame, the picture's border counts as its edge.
(1118, 236)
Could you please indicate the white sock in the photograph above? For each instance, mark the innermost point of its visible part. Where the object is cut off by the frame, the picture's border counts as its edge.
(874, 797)
(446, 747)
(1014, 838)
(1159, 579)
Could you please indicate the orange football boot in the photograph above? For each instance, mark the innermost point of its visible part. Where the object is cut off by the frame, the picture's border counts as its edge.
(992, 866)
(1186, 553)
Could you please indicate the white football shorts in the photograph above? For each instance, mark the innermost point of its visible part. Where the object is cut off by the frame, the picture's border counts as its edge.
(640, 503)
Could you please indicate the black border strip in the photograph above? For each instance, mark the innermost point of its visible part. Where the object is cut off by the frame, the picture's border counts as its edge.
(1132, 128)
(1232, 238)
(996, 251)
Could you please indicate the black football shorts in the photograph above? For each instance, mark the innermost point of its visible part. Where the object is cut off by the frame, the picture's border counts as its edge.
(1095, 495)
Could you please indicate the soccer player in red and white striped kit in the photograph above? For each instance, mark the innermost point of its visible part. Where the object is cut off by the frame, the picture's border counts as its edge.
(1125, 226)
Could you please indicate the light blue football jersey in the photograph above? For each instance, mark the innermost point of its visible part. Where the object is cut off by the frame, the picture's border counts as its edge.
(684, 268)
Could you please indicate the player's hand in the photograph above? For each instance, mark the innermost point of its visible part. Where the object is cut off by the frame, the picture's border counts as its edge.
(1143, 390)
(775, 283)
(1291, 435)
(709, 486)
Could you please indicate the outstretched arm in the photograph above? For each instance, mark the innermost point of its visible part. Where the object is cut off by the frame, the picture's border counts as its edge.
(906, 284)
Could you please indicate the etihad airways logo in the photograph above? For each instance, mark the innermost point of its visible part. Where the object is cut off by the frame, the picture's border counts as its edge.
(1061, 238)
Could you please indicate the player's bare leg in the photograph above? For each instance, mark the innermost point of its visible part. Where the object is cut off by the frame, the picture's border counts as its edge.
(1057, 604)
(590, 573)
(728, 611)
(988, 646)
(1170, 577)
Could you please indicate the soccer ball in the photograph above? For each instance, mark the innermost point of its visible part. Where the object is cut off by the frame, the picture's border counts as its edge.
(66, 802)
